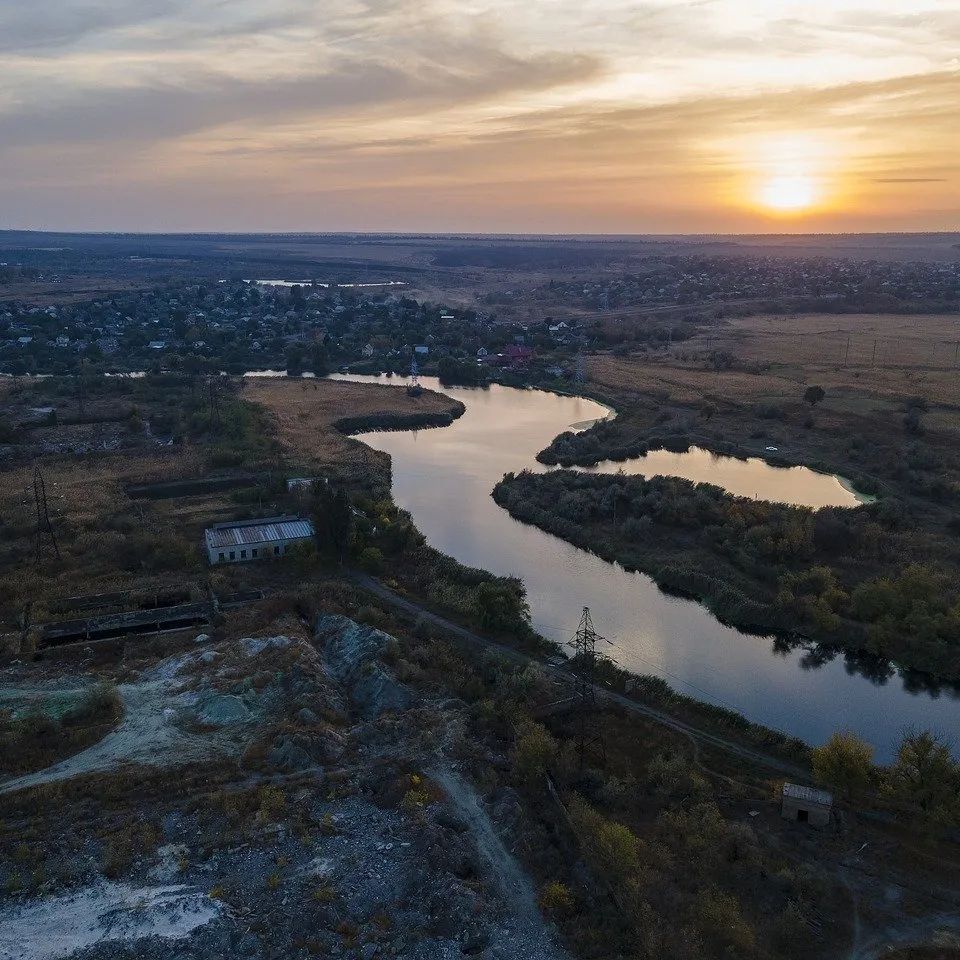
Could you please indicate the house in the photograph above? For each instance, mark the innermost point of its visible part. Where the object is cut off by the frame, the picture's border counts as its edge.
(242, 540)
(517, 355)
(368, 351)
(806, 805)
(157, 344)
(421, 350)
(481, 353)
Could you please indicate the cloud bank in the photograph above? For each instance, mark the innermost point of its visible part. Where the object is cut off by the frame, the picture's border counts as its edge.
(613, 116)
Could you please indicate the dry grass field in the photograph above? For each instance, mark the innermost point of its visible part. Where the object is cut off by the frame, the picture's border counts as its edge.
(865, 362)
(71, 290)
(102, 533)
(304, 413)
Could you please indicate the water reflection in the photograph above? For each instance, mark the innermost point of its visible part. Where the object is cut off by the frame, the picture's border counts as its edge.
(444, 478)
(753, 478)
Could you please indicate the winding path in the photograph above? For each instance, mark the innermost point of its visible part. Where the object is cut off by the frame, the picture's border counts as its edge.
(144, 735)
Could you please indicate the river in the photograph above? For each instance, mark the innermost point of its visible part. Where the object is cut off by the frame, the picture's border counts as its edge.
(444, 478)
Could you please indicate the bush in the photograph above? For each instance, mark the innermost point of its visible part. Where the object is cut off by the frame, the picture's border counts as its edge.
(101, 704)
(555, 899)
(371, 560)
(610, 849)
(533, 752)
(718, 915)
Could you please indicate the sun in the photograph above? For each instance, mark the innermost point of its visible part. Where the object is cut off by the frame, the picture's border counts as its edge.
(789, 175)
(788, 193)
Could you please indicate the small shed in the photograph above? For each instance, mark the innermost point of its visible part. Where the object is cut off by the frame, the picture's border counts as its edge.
(806, 805)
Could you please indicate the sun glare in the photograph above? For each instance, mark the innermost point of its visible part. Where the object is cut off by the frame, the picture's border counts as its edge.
(789, 175)
(788, 193)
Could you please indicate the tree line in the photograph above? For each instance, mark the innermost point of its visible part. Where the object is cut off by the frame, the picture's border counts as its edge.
(850, 578)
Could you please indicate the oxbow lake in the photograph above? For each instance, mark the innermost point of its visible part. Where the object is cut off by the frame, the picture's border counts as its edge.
(444, 478)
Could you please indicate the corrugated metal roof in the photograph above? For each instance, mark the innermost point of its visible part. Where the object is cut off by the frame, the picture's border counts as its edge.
(807, 794)
(224, 535)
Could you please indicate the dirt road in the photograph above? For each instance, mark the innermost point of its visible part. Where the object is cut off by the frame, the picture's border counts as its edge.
(529, 938)
(695, 734)
(144, 735)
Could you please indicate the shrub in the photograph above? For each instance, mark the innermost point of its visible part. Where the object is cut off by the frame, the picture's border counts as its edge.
(371, 560)
(610, 849)
(324, 894)
(555, 899)
(101, 704)
(718, 915)
(533, 752)
(272, 803)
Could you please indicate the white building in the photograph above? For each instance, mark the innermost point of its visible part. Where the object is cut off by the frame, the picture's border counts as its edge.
(806, 805)
(244, 540)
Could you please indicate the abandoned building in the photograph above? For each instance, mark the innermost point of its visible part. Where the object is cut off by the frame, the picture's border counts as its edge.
(806, 805)
(243, 540)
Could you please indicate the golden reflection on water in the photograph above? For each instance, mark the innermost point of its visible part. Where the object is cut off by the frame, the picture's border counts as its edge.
(743, 478)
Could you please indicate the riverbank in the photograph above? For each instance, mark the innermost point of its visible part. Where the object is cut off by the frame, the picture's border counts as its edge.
(761, 567)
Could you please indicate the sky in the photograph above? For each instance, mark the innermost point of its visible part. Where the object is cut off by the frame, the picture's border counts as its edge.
(523, 116)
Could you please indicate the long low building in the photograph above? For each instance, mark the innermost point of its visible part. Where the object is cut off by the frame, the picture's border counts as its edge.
(243, 540)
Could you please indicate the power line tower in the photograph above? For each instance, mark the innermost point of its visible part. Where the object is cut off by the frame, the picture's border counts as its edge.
(44, 527)
(413, 388)
(579, 368)
(585, 660)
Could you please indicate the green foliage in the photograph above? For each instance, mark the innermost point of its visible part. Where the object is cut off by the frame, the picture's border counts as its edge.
(718, 916)
(843, 763)
(555, 899)
(466, 372)
(534, 750)
(332, 516)
(502, 605)
(610, 849)
(760, 565)
(675, 778)
(371, 560)
(926, 779)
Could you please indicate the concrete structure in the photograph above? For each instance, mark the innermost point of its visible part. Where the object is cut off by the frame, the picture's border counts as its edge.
(299, 483)
(243, 540)
(806, 805)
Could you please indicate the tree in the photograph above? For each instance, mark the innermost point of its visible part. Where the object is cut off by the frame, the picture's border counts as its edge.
(502, 605)
(708, 410)
(333, 520)
(843, 763)
(926, 776)
(813, 395)
(913, 422)
(533, 752)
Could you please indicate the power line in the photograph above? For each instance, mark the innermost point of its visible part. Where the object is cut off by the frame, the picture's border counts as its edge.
(44, 527)
(585, 660)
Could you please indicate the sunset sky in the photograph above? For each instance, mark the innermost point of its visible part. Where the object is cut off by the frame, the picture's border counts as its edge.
(561, 116)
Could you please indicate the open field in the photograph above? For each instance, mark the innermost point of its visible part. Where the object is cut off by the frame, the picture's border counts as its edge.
(69, 290)
(304, 415)
(110, 542)
(774, 358)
